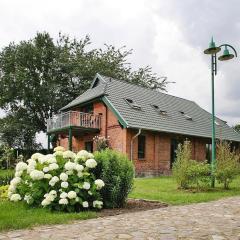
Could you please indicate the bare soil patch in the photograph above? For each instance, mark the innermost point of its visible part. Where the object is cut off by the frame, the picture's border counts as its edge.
(133, 205)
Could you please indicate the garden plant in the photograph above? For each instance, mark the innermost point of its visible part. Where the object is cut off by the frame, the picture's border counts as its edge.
(61, 181)
(227, 164)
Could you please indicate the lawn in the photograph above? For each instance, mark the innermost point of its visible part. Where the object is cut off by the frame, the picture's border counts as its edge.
(164, 189)
(18, 215)
(4, 172)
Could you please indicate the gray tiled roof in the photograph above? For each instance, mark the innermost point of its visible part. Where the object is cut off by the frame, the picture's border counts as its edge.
(88, 95)
(148, 118)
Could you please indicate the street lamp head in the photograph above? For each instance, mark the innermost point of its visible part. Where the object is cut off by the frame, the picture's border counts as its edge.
(212, 48)
(226, 55)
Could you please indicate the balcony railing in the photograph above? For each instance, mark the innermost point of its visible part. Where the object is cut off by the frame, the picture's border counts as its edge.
(72, 118)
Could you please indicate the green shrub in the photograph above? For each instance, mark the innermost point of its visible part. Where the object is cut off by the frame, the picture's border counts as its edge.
(63, 181)
(227, 164)
(117, 172)
(4, 192)
(190, 173)
(6, 176)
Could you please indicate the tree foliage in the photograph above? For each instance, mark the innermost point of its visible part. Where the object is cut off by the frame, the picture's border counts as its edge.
(40, 75)
(227, 165)
(237, 127)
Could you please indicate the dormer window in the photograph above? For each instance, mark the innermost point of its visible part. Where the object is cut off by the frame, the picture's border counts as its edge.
(132, 104)
(158, 110)
(187, 117)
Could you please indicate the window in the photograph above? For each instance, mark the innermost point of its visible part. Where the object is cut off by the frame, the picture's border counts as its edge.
(186, 116)
(161, 112)
(133, 104)
(141, 146)
(87, 109)
(89, 146)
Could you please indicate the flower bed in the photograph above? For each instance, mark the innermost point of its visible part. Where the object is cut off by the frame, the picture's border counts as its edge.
(60, 181)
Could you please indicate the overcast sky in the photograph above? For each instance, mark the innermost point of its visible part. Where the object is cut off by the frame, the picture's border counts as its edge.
(169, 35)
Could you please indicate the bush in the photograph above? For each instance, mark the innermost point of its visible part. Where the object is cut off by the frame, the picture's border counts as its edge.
(62, 181)
(3, 192)
(117, 172)
(6, 176)
(227, 164)
(190, 173)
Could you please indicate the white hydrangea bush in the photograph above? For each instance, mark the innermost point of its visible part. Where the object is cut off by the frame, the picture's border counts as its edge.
(60, 181)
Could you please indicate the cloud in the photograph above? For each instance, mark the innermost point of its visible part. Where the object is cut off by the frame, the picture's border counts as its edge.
(168, 35)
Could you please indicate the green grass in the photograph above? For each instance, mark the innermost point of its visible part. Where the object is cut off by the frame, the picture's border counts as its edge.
(164, 189)
(18, 215)
(5, 172)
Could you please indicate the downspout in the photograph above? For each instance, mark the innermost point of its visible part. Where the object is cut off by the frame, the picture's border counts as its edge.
(131, 151)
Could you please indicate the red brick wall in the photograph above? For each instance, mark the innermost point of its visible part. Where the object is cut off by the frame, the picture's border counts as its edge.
(198, 149)
(158, 152)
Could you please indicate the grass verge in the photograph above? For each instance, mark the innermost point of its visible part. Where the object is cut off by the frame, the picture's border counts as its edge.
(18, 215)
(164, 189)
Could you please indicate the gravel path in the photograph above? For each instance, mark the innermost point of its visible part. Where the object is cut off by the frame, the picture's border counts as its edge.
(216, 220)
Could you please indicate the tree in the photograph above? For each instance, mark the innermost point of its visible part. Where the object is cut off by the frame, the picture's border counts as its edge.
(16, 133)
(237, 127)
(227, 164)
(40, 75)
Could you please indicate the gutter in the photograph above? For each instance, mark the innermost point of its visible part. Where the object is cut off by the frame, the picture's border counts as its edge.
(131, 151)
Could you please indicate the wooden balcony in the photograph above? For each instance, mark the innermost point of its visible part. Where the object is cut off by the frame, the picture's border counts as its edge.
(75, 120)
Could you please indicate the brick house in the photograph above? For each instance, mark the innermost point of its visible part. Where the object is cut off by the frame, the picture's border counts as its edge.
(145, 124)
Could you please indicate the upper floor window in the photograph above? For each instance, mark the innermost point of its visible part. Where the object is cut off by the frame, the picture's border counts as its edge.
(87, 108)
(141, 146)
(133, 104)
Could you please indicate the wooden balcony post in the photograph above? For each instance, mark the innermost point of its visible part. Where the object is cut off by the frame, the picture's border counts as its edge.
(70, 139)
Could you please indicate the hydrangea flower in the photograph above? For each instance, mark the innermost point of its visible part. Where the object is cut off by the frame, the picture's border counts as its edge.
(63, 195)
(85, 204)
(97, 204)
(63, 201)
(47, 176)
(72, 195)
(99, 184)
(69, 166)
(79, 167)
(15, 181)
(36, 175)
(86, 185)
(58, 153)
(69, 154)
(46, 169)
(63, 177)
(53, 166)
(91, 163)
(59, 148)
(53, 181)
(64, 184)
(15, 197)
(27, 198)
(21, 166)
(36, 156)
(18, 173)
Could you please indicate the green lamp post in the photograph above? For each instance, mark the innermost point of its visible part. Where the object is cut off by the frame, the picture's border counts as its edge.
(213, 50)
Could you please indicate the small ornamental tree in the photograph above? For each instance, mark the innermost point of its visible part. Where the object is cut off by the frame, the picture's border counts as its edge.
(190, 173)
(227, 164)
(181, 164)
(62, 181)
